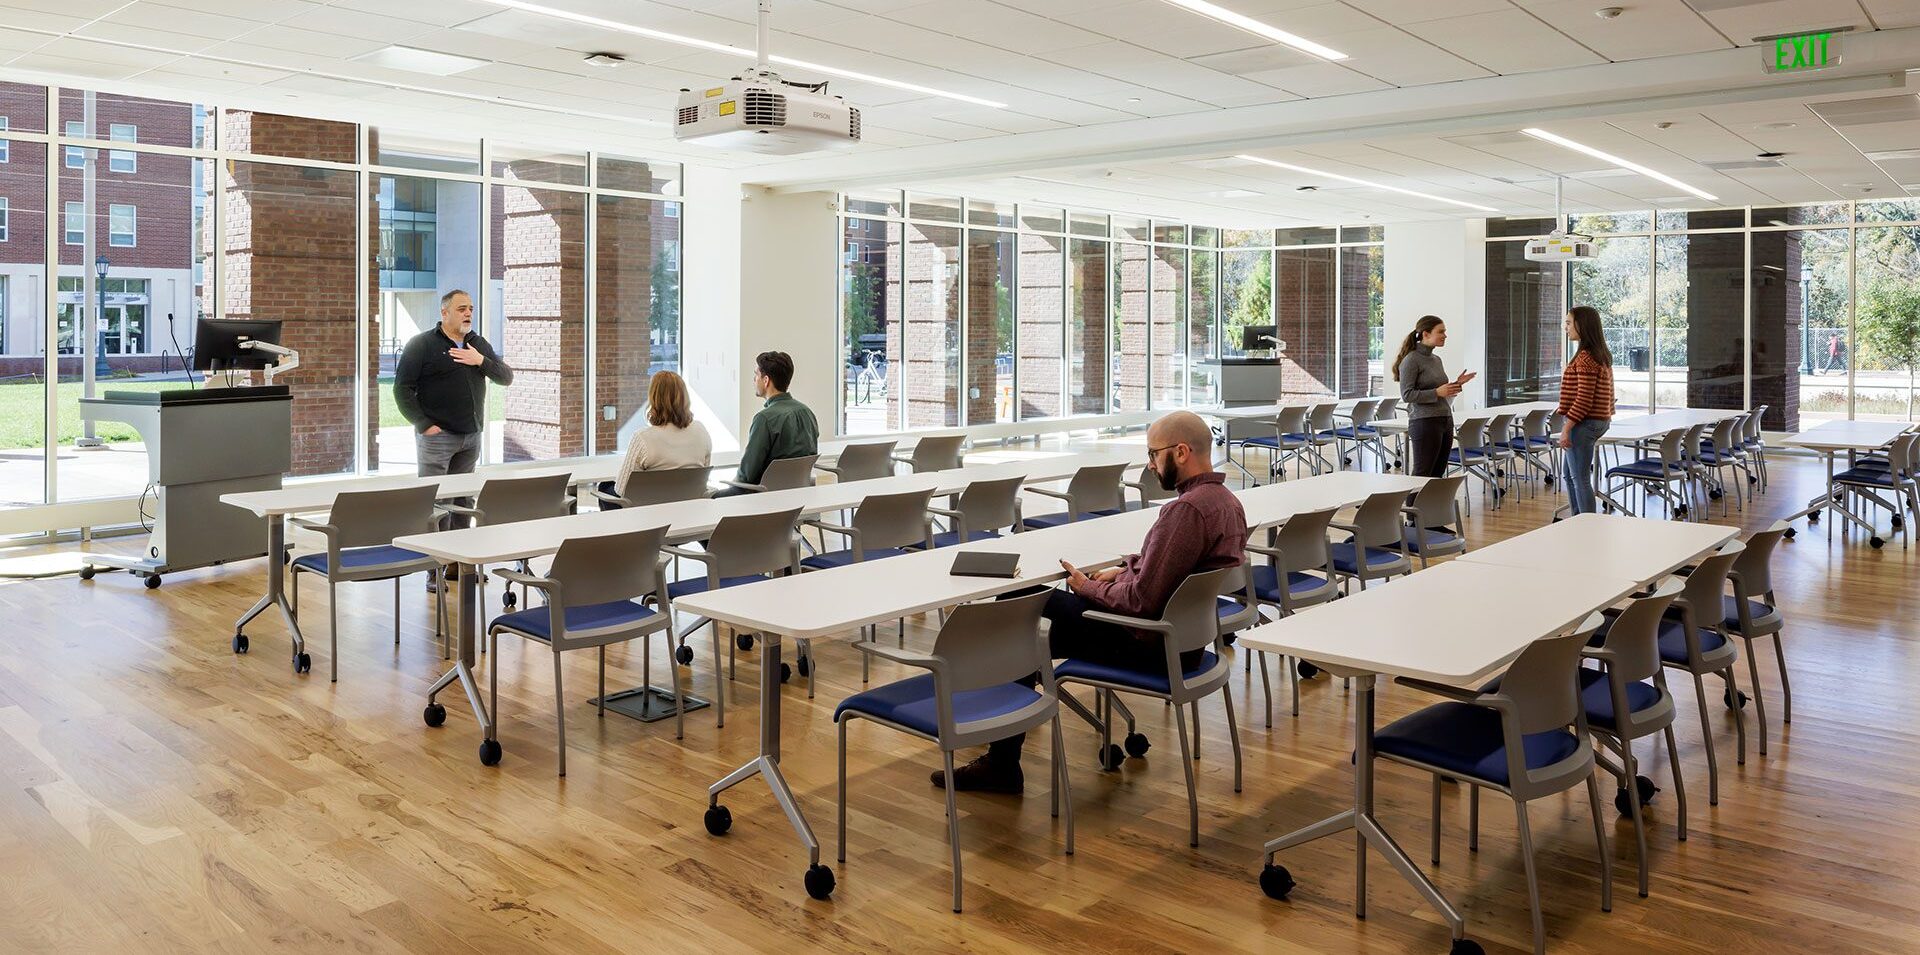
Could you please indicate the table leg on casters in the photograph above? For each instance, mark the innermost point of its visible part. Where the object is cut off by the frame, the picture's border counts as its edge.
(1277, 882)
(468, 610)
(819, 878)
(276, 595)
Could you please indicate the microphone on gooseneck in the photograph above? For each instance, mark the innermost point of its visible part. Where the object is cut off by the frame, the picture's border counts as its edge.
(178, 352)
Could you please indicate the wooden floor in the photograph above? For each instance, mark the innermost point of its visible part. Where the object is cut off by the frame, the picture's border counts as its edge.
(160, 794)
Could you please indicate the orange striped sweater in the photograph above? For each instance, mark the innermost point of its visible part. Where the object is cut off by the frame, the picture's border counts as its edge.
(1586, 389)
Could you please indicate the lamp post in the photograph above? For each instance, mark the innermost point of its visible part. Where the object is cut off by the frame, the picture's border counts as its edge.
(100, 369)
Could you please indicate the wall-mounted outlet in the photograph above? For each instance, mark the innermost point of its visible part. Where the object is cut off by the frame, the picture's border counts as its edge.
(607, 412)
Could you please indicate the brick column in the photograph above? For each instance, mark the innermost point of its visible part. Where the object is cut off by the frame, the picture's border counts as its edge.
(893, 295)
(1525, 305)
(291, 255)
(982, 328)
(1303, 309)
(1131, 309)
(543, 301)
(1169, 277)
(1355, 309)
(1041, 335)
(1777, 320)
(931, 312)
(1088, 340)
(624, 259)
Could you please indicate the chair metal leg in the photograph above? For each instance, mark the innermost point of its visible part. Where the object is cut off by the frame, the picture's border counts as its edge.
(1786, 689)
(953, 825)
(1266, 686)
(1759, 700)
(1533, 877)
(843, 791)
(1186, 763)
(1631, 788)
(1739, 716)
(1706, 733)
(1434, 852)
(646, 647)
(1679, 784)
(396, 612)
(1600, 840)
(1194, 709)
(559, 714)
(1233, 733)
(1060, 767)
(1473, 818)
(333, 629)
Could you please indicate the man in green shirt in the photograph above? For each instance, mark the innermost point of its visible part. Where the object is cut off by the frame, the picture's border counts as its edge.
(783, 428)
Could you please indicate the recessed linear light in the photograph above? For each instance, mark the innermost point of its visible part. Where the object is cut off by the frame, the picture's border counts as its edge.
(1243, 22)
(415, 60)
(1566, 143)
(1364, 182)
(731, 50)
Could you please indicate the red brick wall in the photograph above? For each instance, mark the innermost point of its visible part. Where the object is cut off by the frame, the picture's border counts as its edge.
(1169, 274)
(1040, 336)
(990, 258)
(1130, 315)
(543, 300)
(1087, 327)
(1353, 319)
(893, 281)
(1303, 291)
(623, 303)
(930, 319)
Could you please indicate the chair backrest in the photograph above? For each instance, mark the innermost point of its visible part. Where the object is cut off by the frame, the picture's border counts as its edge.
(1379, 519)
(1633, 641)
(1537, 422)
(864, 462)
(1438, 503)
(1756, 420)
(663, 486)
(1708, 582)
(609, 567)
(1193, 612)
(1690, 444)
(512, 500)
(1472, 435)
(1291, 420)
(892, 520)
(1901, 454)
(1499, 430)
(373, 518)
(1363, 411)
(786, 474)
(1726, 435)
(1320, 416)
(991, 505)
(1387, 408)
(1672, 449)
(991, 642)
(1096, 487)
(937, 453)
(1303, 542)
(1755, 564)
(1543, 684)
(745, 544)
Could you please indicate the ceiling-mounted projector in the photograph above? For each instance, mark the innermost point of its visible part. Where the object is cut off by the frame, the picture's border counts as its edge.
(1560, 247)
(762, 113)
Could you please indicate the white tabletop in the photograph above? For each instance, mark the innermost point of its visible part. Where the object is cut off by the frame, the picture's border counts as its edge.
(1847, 435)
(697, 518)
(1609, 545)
(1269, 410)
(1641, 427)
(1518, 410)
(1456, 623)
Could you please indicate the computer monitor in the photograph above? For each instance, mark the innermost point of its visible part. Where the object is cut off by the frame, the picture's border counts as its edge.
(216, 343)
(1254, 337)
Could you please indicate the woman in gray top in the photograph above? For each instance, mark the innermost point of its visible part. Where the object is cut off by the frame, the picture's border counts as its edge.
(1425, 391)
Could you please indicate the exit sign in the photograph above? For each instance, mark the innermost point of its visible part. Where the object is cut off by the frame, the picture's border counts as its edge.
(1801, 52)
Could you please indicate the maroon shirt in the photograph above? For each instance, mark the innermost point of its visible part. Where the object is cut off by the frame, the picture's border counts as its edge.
(1203, 529)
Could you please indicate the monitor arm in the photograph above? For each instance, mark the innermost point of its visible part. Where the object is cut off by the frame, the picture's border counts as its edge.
(289, 359)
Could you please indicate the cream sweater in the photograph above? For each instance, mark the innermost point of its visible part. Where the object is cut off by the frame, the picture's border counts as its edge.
(664, 446)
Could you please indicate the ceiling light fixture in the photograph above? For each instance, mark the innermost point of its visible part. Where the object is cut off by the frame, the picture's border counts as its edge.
(1243, 22)
(1566, 143)
(731, 50)
(1364, 182)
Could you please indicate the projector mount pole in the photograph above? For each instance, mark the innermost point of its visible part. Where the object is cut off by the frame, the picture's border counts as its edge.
(763, 36)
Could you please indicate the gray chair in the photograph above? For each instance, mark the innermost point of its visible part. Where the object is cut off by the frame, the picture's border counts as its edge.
(884, 525)
(1190, 622)
(1718, 456)
(980, 512)
(1890, 482)
(359, 531)
(1376, 544)
(1536, 447)
(1470, 457)
(510, 501)
(861, 462)
(1754, 442)
(1498, 445)
(1288, 442)
(1296, 552)
(598, 593)
(1665, 476)
(1751, 613)
(1094, 491)
(1434, 528)
(783, 474)
(1693, 638)
(1511, 736)
(744, 548)
(660, 486)
(1320, 434)
(1358, 434)
(934, 453)
(1147, 485)
(974, 693)
(1628, 700)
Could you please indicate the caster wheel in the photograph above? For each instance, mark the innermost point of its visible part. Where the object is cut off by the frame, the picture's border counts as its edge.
(806, 666)
(1714, 495)
(1608, 508)
(786, 672)
(153, 581)
(1137, 744)
(819, 882)
(434, 715)
(1306, 670)
(1499, 472)
(1792, 532)
(1813, 518)
(489, 752)
(508, 601)
(239, 643)
(1549, 481)
(1276, 882)
(1898, 522)
(302, 663)
(719, 820)
(1111, 758)
(1730, 696)
(1877, 542)
(1230, 639)
(1644, 789)
(1467, 946)
(683, 656)
(87, 572)
(743, 641)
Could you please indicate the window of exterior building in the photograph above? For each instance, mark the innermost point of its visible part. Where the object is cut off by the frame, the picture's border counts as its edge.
(123, 160)
(121, 218)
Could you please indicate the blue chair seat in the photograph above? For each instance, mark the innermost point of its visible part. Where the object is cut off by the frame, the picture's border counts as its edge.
(1269, 441)
(1710, 456)
(1465, 741)
(1266, 583)
(1459, 455)
(1871, 476)
(910, 703)
(1423, 538)
(1597, 696)
(950, 538)
(698, 585)
(1343, 557)
(1652, 468)
(1730, 611)
(841, 558)
(360, 558)
(1349, 433)
(1673, 641)
(1229, 607)
(1055, 520)
(538, 621)
(1154, 682)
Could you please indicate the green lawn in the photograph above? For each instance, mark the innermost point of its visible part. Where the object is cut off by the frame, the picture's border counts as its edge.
(20, 404)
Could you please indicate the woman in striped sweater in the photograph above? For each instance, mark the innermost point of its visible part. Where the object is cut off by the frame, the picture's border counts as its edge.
(1586, 403)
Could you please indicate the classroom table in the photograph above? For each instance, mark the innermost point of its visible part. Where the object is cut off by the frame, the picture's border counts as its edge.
(1440, 624)
(799, 607)
(1830, 439)
(1610, 545)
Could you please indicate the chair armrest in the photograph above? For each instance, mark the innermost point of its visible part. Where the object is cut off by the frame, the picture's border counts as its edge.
(600, 495)
(744, 486)
(699, 555)
(1459, 693)
(944, 512)
(1349, 528)
(1134, 623)
(912, 658)
(1268, 551)
(835, 528)
(462, 510)
(546, 584)
(327, 530)
(833, 469)
(1049, 492)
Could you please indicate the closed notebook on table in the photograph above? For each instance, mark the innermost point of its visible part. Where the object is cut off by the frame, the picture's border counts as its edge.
(983, 563)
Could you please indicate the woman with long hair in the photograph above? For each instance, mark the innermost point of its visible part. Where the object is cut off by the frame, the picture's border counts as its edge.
(1426, 390)
(1586, 403)
(673, 440)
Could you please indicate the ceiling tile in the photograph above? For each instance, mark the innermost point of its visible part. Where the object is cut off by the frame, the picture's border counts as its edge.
(1399, 58)
(994, 23)
(1506, 41)
(1401, 12)
(310, 42)
(1648, 28)
(1317, 80)
(1743, 20)
(351, 23)
(1891, 14)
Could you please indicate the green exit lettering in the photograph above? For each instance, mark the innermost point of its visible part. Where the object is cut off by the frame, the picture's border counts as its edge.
(1807, 51)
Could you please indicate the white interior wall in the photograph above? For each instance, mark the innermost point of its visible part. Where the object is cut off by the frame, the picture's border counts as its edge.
(1435, 268)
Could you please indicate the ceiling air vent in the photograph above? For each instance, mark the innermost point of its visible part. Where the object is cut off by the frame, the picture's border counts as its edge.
(1738, 164)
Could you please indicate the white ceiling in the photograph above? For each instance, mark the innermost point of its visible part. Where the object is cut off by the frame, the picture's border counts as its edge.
(1062, 66)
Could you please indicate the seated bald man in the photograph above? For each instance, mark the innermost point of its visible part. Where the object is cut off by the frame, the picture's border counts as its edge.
(1202, 529)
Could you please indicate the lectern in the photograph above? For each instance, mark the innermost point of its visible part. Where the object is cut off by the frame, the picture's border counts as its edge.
(201, 444)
